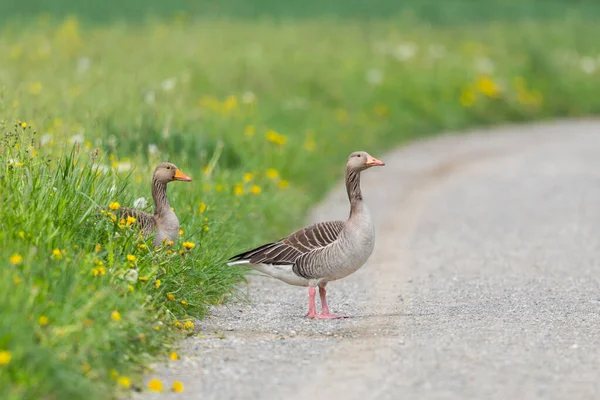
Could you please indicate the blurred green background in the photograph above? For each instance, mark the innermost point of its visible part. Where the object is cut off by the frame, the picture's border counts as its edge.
(432, 11)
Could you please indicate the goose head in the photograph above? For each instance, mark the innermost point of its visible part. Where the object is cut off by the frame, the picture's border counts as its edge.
(361, 160)
(167, 172)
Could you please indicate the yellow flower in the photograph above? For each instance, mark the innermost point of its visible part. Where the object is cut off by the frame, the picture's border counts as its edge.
(248, 176)
(238, 189)
(23, 124)
(188, 245)
(381, 110)
(202, 207)
(57, 253)
(5, 357)
(341, 115)
(171, 296)
(157, 283)
(230, 103)
(15, 259)
(185, 303)
(283, 184)
(309, 144)
(17, 279)
(35, 88)
(143, 246)
(130, 220)
(143, 278)
(467, 98)
(255, 189)
(113, 374)
(155, 385)
(99, 271)
(275, 137)
(173, 356)
(115, 315)
(22, 235)
(487, 86)
(124, 381)
(43, 320)
(177, 324)
(130, 288)
(206, 228)
(170, 243)
(114, 205)
(272, 173)
(177, 387)
(181, 232)
(249, 131)
(131, 257)
(85, 367)
(188, 325)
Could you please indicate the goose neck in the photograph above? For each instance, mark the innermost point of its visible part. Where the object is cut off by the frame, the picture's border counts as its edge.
(353, 189)
(159, 194)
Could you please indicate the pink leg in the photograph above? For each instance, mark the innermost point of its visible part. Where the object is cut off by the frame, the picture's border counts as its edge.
(312, 309)
(325, 314)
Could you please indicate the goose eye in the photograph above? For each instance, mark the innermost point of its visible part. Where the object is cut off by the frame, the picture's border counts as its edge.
(168, 167)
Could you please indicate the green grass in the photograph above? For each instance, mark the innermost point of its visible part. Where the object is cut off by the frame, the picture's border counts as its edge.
(261, 115)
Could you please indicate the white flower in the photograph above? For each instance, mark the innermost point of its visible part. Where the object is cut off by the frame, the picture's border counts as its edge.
(588, 65)
(123, 166)
(168, 84)
(45, 139)
(131, 275)
(437, 51)
(77, 138)
(140, 203)
(248, 97)
(150, 98)
(100, 168)
(405, 51)
(374, 76)
(83, 64)
(484, 65)
(295, 103)
(152, 148)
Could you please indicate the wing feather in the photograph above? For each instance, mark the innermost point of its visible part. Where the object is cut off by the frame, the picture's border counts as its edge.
(293, 246)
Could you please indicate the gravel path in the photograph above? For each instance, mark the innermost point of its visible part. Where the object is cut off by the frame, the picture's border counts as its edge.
(484, 283)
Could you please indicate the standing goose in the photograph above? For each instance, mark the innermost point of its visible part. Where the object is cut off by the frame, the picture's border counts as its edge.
(325, 251)
(163, 223)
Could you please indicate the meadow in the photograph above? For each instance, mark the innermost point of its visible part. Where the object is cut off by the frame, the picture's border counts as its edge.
(262, 114)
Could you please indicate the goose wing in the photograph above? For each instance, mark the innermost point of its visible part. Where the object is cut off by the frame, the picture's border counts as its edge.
(144, 221)
(287, 250)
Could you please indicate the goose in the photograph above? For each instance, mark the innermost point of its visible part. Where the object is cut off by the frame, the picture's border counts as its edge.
(325, 251)
(163, 223)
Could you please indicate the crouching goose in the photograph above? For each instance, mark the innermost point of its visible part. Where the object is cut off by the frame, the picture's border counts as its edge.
(163, 223)
(325, 251)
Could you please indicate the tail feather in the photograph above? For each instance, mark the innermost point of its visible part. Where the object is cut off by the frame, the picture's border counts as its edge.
(244, 258)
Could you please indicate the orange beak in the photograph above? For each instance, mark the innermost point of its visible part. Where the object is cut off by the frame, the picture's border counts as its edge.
(373, 162)
(180, 176)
